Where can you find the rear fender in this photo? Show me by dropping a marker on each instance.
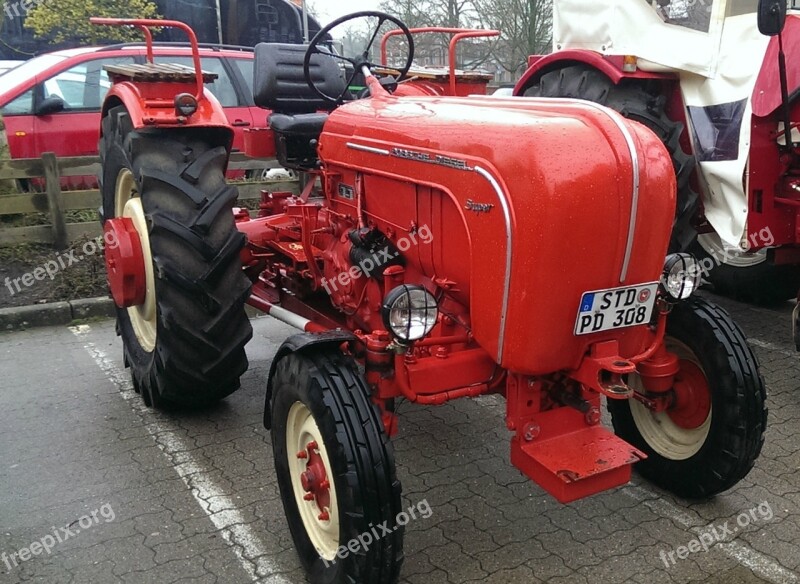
(144, 114)
(609, 65)
(302, 343)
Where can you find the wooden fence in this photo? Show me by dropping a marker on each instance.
(54, 202)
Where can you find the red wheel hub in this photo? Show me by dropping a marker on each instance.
(314, 479)
(124, 262)
(692, 397)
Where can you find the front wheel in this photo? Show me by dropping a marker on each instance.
(335, 470)
(710, 437)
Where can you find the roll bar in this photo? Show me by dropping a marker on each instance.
(458, 34)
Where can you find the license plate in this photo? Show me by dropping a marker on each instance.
(614, 308)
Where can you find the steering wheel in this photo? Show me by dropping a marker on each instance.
(360, 60)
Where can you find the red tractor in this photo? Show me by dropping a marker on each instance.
(424, 262)
(717, 92)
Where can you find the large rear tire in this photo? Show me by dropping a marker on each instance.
(185, 343)
(336, 471)
(709, 439)
(642, 103)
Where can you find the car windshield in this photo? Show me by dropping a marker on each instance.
(28, 70)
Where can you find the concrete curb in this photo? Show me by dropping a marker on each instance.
(55, 313)
(18, 318)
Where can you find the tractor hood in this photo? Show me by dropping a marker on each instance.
(530, 203)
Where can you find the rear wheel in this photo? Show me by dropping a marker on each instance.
(335, 470)
(265, 174)
(710, 437)
(184, 336)
(633, 100)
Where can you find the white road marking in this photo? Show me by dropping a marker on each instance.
(772, 347)
(242, 538)
(759, 563)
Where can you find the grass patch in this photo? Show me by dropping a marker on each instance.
(30, 219)
(83, 278)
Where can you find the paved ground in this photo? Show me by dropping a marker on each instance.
(149, 497)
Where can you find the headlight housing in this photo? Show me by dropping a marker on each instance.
(681, 276)
(185, 104)
(409, 312)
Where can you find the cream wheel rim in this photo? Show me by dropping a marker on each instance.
(301, 430)
(657, 428)
(128, 203)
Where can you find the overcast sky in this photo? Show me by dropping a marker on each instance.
(328, 10)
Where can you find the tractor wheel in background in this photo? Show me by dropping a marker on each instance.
(633, 100)
(710, 437)
(335, 468)
(185, 341)
(265, 174)
(747, 276)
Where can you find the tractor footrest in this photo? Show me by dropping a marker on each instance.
(576, 464)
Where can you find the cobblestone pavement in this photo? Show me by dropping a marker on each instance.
(193, 497)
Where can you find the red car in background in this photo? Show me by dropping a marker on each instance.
(52, 102)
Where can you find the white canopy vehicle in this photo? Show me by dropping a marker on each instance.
(707, 81)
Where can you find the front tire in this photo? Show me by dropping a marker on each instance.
(710, 438)
(325, 427)
(185, 343)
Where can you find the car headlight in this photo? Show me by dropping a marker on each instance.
(681, 277)
(409, 312)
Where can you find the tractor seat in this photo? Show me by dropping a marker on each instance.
(299, 125)
(298, 112)
(296, 139)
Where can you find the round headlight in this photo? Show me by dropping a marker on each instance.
(682, 275)
(185, 104)
(409, 312)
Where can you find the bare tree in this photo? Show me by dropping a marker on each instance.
(414, 13)
(417, 13)
(432, 49)
(456, 13)
(526, 28)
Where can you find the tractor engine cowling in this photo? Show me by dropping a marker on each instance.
(529, 204)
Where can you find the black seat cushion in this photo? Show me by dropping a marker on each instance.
(298, 125)
(279, 83)
(296, 139)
